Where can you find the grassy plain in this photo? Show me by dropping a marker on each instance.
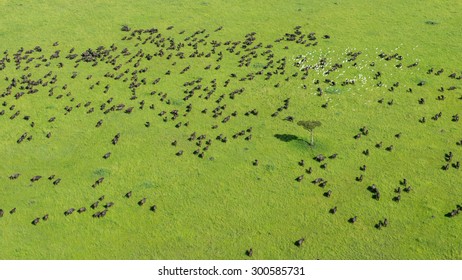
(217, 208)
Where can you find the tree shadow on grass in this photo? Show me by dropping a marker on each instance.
(286, 137)
(290, 137)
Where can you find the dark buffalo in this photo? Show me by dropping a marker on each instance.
(333, 156)
(353, 220)
(319, 158)
(14, 176)
(69, 211)
(36, 221)
(142, 201)
(299, 242)
(94, 205)
(249, 252)
(35, 178)
(328, 193)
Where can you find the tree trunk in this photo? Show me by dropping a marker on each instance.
(312, 139)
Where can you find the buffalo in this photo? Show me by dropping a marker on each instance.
(353, 220)
(249, 252)
(35, 178)
(69, 211)
(14, 176)
(299, 242)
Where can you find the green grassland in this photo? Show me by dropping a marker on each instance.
(220, 205)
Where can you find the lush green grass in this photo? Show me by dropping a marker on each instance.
(221, 205)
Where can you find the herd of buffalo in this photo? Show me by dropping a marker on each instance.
(131, 67)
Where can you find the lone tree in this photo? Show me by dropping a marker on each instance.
(309, 125)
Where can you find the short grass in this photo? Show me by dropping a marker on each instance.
(218, 206)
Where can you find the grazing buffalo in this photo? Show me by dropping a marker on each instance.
(249, 252)
(1, 213)
(107, 155)
(99, 123)
(299, 178)
(353, 220)
(81, 210)
(456, 165)
(57, 181)
(12, 211)
(103, 213)
(319, 158)
(36, 221)
(99, 181)
(153, 208)
(94, 205)
(129, 194)
(14, 176)
(35, 178)
(299, 242)
(333, 210)
(69, 211)
(45, 218)
(328, 193)
(142, 201)
(109, 204)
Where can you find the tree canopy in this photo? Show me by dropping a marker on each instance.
(309, 125)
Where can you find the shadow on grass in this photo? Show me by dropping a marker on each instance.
(290, 137)
(286, 137)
